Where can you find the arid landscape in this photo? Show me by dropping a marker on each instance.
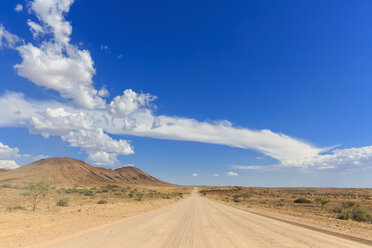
(81, 197)
(82, 202)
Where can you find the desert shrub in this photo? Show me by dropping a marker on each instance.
(322, 201)
(139, 196)
(203, 192)
(236, 198)
(7, 185)
(87, 192)
(178, 194)
(348, 204)
(346, 214)
(131, 193)
(302, 200)
(72, 191)
(63, 202)
(360, 213)
(14, 208)
(102, 201)
(356, 212)
(245, 195)
(105, 190)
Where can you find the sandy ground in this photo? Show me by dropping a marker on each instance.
(22, 228)
(200, 222)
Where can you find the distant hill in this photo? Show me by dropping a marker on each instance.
(72, 172)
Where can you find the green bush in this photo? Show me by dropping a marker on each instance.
(236, 198)
(302, 200)
(357, 213)
(105, 190)
(88, 192)
(348, 204)
(361, 214)
(63, 202)
(346, 213)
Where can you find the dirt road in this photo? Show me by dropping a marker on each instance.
(199, 222)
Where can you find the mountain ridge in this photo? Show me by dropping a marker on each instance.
(65, 171)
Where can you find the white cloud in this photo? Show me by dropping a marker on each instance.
(195, 174)
(7, 39)
(339, 159)
(38, 157)
(232, 174)
(7, 152)
(56, 64)
(51, 13)
(9, 156)
(35, 28)
(101, 158)
(129, 102)
(215, 175)
(18, 8)
(79, 131)
(8, 164)
(64, 69)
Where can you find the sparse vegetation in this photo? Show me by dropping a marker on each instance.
(39, 190)
(7, 185)
(236, 198)
(302, 200)
(322, 201)
(102, 201)
(63, 202)
(355, 212)
(245, 195)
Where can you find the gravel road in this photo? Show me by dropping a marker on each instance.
(199, 222)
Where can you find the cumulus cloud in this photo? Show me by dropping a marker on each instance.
(215, 175)
(129, 102)
(8, 164)
(195, 174)
(18, 8)
(7, 152)
(64, 69)
(232, 174)
(51, 14)
(9, 156)
(79, 131)
(101, 158)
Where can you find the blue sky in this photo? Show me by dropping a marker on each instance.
(277, 92)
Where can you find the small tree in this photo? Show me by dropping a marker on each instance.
(245, 195)
(39, 189)
(322, 201)
(236, 198)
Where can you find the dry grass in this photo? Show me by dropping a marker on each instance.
(20, 226)
(281, 201)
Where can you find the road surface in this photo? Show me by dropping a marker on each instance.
(198, 222)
